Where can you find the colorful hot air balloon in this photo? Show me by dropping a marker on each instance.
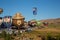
(7, 21)
(34, 11)
(1, 10)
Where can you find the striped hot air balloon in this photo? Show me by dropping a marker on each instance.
(34, 11)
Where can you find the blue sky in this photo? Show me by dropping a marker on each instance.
(46, 9)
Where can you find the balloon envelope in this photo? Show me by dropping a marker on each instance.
(7, 21)
(34, 11)
(1, 10)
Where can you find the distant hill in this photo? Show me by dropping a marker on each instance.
(56, 21)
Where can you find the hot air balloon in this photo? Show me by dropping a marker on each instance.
(32, 23)
(1, 10)
(18, 20)
(7, 21)
(38, 23)
(34, 11)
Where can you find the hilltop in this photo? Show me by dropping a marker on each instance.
(52, 21)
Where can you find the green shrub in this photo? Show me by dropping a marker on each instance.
(0, 35)
(49, 37)
(31, 38)
(3, 34)
(58, 37)
(8, 37)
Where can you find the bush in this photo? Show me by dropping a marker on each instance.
(58, 37)
(31, 38)
(3, 34)
(53, 37)
(0, 35)
(8, 37)
(50, 36)
(43, 37)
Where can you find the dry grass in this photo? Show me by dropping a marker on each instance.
(36, 34)
(49, 30)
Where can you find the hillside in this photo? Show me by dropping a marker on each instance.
(54, 21)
